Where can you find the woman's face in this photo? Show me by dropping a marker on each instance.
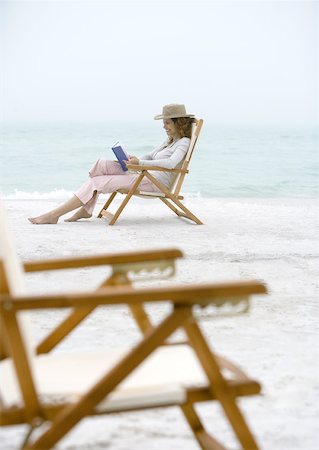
(170, 128)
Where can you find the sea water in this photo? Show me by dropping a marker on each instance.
(51, 160)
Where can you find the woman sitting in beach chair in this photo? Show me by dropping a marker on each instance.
(108, 176)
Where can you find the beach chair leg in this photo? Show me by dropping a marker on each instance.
(126, 199)
(107, 204)
(186, 212)
(175, 210)
(219, 386)
(189, 215)
(204, 439)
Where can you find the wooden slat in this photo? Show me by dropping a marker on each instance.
(140, 168)
(107, 204)
(195, 134)
(107, 215)
(98, 260)
(202, 294)
(238, 388)
(23, 371)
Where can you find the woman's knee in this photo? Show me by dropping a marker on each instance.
(98, 168)
(105, 167)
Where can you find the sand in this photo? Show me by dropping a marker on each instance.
(272, 240)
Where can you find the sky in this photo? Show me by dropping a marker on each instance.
(230, 62)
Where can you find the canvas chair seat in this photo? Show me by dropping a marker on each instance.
(63, 378)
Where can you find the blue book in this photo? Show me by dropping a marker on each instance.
(121, 155)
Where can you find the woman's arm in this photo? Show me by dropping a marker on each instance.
(151, 155)
(147, 158)
(178, 154)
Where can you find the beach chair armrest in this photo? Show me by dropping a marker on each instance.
(186, 295)
(98, 260)
(139, 168)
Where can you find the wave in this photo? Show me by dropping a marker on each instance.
(59, 194)
(242, 192)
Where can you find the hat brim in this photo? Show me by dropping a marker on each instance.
(160, 116)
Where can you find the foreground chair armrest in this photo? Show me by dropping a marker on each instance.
(181, 296)
(98, 260)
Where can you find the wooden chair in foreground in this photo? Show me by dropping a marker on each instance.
(171, 197)
(55, 391)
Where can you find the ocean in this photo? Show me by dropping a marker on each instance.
(52, 160)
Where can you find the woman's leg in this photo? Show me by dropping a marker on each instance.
(106, 177)
(90, 190)
(105, 167)
(85, 212)
(54, 215)
(101, 167)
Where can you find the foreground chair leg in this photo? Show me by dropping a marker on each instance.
(205, 440)
(221, 390)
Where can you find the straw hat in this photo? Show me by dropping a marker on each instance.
(173, 112)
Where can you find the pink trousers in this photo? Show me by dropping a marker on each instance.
(108, 176)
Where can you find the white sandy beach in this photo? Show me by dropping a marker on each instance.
(273, 240)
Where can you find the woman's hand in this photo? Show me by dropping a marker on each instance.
(132, 160)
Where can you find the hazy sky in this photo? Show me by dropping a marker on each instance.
(231, 62)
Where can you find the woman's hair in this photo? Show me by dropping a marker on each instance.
(183, 127)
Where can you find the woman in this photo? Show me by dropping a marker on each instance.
(108, 176)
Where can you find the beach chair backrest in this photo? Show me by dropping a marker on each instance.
(12, 282)
(12, 271)
(178, 182)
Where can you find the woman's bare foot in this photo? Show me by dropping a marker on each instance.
(80, 214)
(45, 218)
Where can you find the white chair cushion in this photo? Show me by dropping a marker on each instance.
(161, 379)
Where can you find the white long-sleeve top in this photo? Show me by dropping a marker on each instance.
(168, 156)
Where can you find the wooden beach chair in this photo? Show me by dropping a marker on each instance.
(54, 392)
(169, 196)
